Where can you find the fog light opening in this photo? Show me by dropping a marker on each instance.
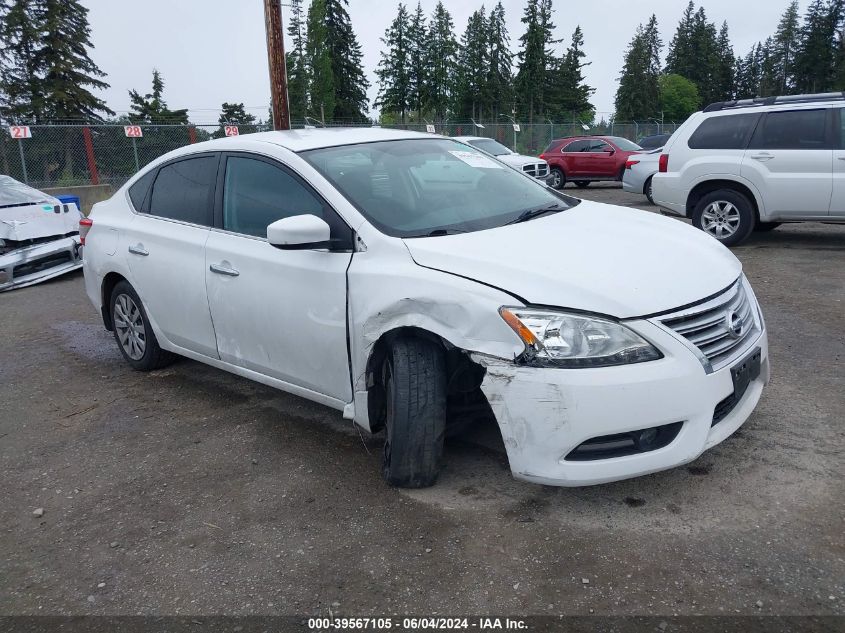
(623, 444)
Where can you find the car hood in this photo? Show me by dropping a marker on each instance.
(518, 160)
(594, 257)
(34, 221)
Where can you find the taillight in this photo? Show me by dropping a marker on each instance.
(630, 163)
(543, 156)
(85, 225)
(663, 163)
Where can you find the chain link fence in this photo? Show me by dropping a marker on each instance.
(73, 155)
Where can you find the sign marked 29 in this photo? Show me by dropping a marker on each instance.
(20, 131)
(231, 130)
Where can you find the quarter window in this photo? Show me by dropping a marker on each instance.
(256, 194)
(724, 132)
(183, 190)
(794, 129)
(138, 191)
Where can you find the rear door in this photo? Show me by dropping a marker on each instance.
(837, 200)
(281, 313)
(789, 160)
(599, 160)
(167, 251)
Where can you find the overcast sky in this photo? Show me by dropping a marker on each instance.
(210, 51)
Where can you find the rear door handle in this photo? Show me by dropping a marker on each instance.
(220, 269)
(841, 157)
(139, 250)
(762, 156)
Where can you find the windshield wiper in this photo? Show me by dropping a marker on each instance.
(437, 233)
(530, 214)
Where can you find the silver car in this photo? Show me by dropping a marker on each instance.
(638, 172)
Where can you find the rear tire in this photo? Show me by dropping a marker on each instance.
(582, 184)
(414, 379)
(557, 179)
(647, 190)
(726, 215)
(764, 227)
(132, 331)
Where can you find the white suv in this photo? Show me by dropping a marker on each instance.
(741, 166)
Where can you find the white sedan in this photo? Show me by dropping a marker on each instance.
(409, 281)
(639, 170)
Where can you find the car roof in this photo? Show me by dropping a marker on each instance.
(312, 138)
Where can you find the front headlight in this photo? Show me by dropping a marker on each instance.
(573, 340)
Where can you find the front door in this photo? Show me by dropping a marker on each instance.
(166, 252)
(789, 161)
(281, 313)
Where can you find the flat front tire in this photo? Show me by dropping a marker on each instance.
(132, 331)
(726, 215)
(414, 380)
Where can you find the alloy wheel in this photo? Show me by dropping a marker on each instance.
(129, 326)
(720, 219)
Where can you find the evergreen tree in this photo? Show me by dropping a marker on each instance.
(152, 108)
(233, 114)
(441, 60)
(680, 59)
(723, 72)
(295, 61)
(68, 69)
(747, 74)
(338, 83)
(394, 68)
(769, 82)
(693, 53)
(786, 42)
(472, 68)
(571, 95)
(815, 60)
(500, 62)
(21, 86)
(418, 57)
(638, 96)
(536, 58)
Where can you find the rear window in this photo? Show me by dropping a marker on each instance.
(793, 129)
(624, 144)
(183, 190)
(138, 191)
(724, 132)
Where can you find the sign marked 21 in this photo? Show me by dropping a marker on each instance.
(20, 131)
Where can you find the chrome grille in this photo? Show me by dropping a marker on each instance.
(537, 170)
(720, 328)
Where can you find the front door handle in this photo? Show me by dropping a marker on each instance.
(139, 249)
(222, 269)
(762, 156)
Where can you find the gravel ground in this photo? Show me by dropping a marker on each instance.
(191, 491)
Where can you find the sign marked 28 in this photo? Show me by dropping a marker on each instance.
(133, 131)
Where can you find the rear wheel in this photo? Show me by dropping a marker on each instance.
(726, 215)
(582, 184)
(766, 226)
(414, 380)
(647, 191)
(557, 179)
(132, 331)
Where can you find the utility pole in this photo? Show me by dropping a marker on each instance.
(276, 59)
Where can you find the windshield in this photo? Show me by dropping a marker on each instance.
(416, 187)
(490, 146)
(624, 144)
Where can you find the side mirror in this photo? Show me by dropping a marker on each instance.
(300, 232)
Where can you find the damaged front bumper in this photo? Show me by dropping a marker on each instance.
(550, 418)
(40, 262)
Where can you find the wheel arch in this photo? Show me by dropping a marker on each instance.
(708, 186)
(109, 282)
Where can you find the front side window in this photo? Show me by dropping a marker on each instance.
(256, 194)
(729, 131)
(183, 190)
(416, 187)
(793, 129)
(598, 146)
(490, 146)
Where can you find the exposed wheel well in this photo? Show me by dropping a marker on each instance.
(645, 184)
(702, 189)
(464, 376)
(109, 282)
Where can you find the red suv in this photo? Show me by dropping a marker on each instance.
(584, 159)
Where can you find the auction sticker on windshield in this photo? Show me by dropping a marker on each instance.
(475, 160)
